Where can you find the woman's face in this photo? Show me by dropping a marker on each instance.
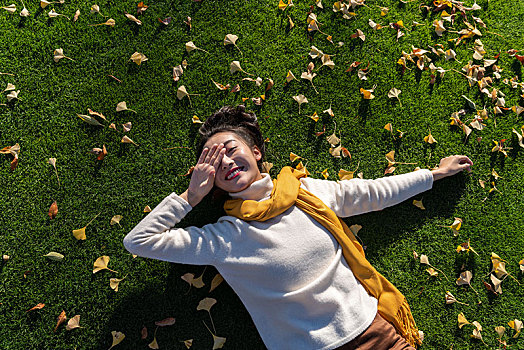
(238, 169)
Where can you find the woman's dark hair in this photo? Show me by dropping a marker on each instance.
(237, 120)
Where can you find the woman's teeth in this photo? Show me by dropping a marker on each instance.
(234, 173)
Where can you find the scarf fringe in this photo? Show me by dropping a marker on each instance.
(407, 327)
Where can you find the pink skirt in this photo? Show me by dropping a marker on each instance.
(380, 335)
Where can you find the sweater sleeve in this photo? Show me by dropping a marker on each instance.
(155, 236)
(358, 196)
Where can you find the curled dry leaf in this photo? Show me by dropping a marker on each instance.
(165, 322)
(430, 139)
(127, 126)
(216, 280)
(11, 8)
(517, 326)
(61, 319)
(89, 120)
(36, 307)
(74, 322)
(126, 139)
(14, 151)
(138, 58)
(53, 210)
(177, 72)
(290, 76)
(77, 14)
(110, 23)
(462, 321)
(133, 18)
(54, 256)
(147, 209)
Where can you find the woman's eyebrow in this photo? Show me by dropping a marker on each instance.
(228, 141)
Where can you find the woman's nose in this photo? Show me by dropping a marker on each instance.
(226, 161)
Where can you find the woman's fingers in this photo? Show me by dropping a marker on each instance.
(203, 156)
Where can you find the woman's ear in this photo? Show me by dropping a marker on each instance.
(257, 153)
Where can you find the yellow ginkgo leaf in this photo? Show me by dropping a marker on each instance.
(430, 139)
(216, 282)
(114, 283)
(462, 321)
(188, 343)
(117, 338)
(345, 174)
(293, 157)
(231, 39)
(116, 220)
(196, 120)
(315, 117)
(516, 325)
(290, 76)
(325, 173)
(101, 264)
(300, 100)
(110, 22)
(138, 58)
(418, 204)
(218, 342)
(368, 94)
(80, 234)
(206, 304)
(190, 46)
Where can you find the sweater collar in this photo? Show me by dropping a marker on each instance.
(258, 190)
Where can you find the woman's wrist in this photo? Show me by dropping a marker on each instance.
(437, 174)
(190, 198)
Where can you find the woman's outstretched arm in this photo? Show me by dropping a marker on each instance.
(358, 196)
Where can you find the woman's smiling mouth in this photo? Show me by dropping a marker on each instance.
(234, 173)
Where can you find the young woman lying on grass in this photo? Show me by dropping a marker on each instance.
(282, 247)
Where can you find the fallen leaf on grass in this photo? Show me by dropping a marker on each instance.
(61, 319)
(53, 210)
(133, 18)
(11, 8)
(218, 342)
(190, 46)
(450, 299)
(110, 23)
(115, 282)
(80, 234)
(122, 106)
(394, 93)
(418, 204)
(54, 256)
(165, 322)
(217, 279)
(138, 58)
(101, 264)
(14, 151)
(117, 338)
(36, 307)
(116, 220)
(73, 323)
(89, 120)
(53, 14)
(235, 67)
(231, 39)
(300, 100)
(517, 326)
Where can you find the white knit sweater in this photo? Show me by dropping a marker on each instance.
(289, 270)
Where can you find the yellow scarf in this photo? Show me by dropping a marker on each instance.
(392, 305)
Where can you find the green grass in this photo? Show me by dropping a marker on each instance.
(45, 125)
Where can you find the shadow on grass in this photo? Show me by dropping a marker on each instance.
(383, 228)
(173, 298)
